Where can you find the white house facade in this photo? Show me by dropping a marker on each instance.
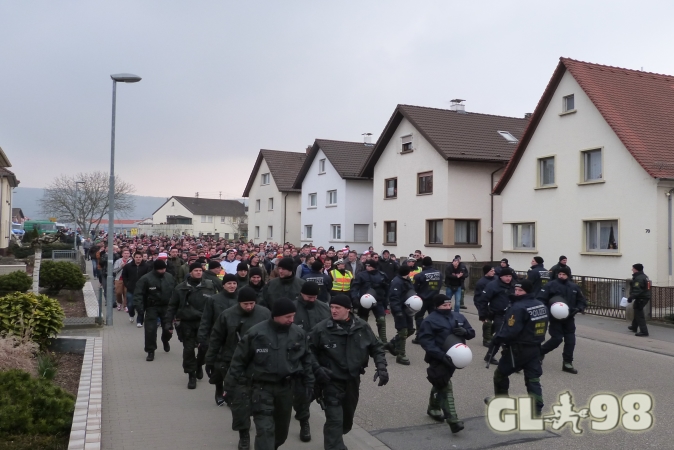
(431, 192)
(336, 202)
(589, 179)
(200, 216)
(8, 182)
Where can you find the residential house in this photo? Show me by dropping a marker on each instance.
(8, 182)
(200, 216)
(433, 171)
(274, 204)
(17, 215)
(336, 199)
(593, 175)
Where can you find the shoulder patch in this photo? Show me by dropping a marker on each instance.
(511, 321)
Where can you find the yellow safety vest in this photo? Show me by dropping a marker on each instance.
(341, 283)
(414, 272)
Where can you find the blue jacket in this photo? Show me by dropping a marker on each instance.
(436, 327)
(526, 322)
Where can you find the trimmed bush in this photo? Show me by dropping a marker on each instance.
(26, 251)
(61, 275)
(30, 316)
(33, 406)
(16, 281)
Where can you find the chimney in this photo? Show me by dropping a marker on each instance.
(457, 106)
(367, 138)
(309, 147)
(527, 115)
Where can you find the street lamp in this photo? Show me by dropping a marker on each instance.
(77, 185)
(121, 78)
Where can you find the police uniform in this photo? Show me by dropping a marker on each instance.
(427, 285)
(538, 275)
(495, 299)
(640, 294)
(433, 333)
(376, 283)
(401, 289)
(521, 336)
(341, 282)
(151, 297)
(482, 312)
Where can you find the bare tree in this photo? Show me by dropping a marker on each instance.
(240, 225)
(92, 199)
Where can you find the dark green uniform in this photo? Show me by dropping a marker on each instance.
(281, 287)
(269, 356)
(640, 293)
(259, 290)
(215, 305)
(344, 348)
(241, 281)
(173, 265)
(183, 271)
(227, 331)
(217, 282)
(307, 316)
(187, 305)
(151, 297)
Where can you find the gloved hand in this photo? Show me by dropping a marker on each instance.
(573, 312)
(323, 375)
(448, 362)
(459, 331)
(382, 374)
(209, 370)
(168, 327)
(630, 299)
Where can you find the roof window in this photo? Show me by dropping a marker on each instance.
(508, 137)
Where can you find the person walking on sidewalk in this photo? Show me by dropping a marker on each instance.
(640, 294)
(131, 273)
(187, 305)
(120, 290)
(151, 297)
(270, 355)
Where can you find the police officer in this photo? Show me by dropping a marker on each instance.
(374, 282)
(271, 354)
(538, 274)
(434, 330)
(411, 262)
(229, 328)
(187, 305)
(495, 299)
(286, 285)
(215, 305)
(341, 279)
(565, 329)
(214, 269)
(504, 264)
(151, 297)
(342, 346)
(640, 294)
(521, 337)
(400, 290)
(427, 285)
(482, 312)
(322, 280)
(309, 313)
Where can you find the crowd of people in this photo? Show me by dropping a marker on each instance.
(275, 327)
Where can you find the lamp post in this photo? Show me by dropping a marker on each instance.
(77, 185)
(122, 78)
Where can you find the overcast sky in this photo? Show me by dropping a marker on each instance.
(223, 79)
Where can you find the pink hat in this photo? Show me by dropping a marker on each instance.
(162, 255)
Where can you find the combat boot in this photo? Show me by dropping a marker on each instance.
(200, 372)
(416, 338)
(434, 409)
(400, 348)
(192, 383)
(381, 329)
(391, 346)
(492, 360)
(449, 408)
(219, 396)
(244, 440)
(568, 367)
(150, 356)
(305, 431)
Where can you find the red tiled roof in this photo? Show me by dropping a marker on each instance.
(348, 158)
(284, 167)
(638, 106)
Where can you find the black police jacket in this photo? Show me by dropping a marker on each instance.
(397, 293)
(526, 322)
(479, 290)
(153, 289)
(310, 313)
(569, 290)
(215, 305)
(323, 281)
(496, 297)
(228, 330)
(188, 301)
(538, 275)
(554, 270)
(427, 283)
(366, 280)
(437, 327)
(640, 287)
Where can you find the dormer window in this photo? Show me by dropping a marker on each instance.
(406, 142)
(569, 103)
(508, 137)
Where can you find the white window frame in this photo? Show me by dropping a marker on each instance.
(313, 196)
(258, 205)
(270, 232)
(308, 231)
(257, 232)
(321, 166)
(206, 219)
(265, 179)
(270, 204)
(517, 231)
(540, 174)
(565, 103)
(330, 198)
(584, 157)
(587, 232)
(336, 232)
(407, 143)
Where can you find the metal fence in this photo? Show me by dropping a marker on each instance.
(662, 303)
(64, 255)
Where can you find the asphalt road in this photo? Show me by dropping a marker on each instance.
(607, 356)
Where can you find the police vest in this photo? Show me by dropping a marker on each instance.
(414, 272)
(341, 283)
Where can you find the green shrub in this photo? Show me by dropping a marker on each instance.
(16, 281)
(33, 406)
(46, 366)
(30, 316)
(26, 250)
(61, 275)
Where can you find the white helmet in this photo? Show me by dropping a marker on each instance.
(367, 301)
(461, 355)
(559, 310)
(413, 305)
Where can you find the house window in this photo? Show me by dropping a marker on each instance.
(391, 188)
(592, 165)
(257, 232)
(508, 137)
(465, 231)
(173, 203)
(313, 200)
(264, 179)
(321, 166)
(226, 235)
(361, 233)
(257, 205)
(308, 231)
(332, 197)
(425, 183)
(270, 204)
(601, 236)
(524, 236)
(390, 232)
(335, 232)
(435, 231)
(406, 142)
(206, 219)
(569, 103)
(270, 232)
(546, 171)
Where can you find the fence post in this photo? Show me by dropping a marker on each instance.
(100, 306)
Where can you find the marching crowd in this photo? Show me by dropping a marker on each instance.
(275, 327)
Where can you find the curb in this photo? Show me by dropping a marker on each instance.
(86, 430)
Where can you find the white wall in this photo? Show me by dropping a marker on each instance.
(5, 212)
(358, 211)
(293, 214)
(265, 218)
(628, 194)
